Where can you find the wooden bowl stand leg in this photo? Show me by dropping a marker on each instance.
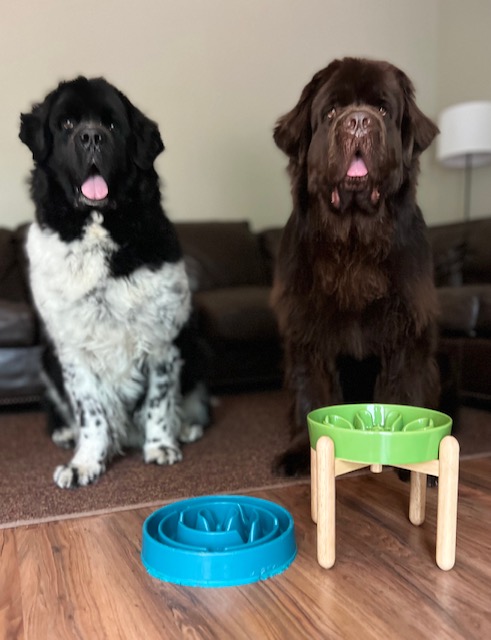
(325, 468)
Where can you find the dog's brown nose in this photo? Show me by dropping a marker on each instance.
(91, 138)
(357, 123)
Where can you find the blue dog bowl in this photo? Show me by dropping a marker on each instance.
(218, 541)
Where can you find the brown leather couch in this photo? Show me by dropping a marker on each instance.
(20, 351)
(462, 258)
(230, 269)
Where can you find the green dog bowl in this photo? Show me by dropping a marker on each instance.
(380, 433)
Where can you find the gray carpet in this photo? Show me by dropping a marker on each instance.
(234, 455)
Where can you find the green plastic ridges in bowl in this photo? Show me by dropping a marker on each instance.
(380, 433)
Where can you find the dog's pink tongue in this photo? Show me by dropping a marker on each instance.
(357, 169)
(95, 188)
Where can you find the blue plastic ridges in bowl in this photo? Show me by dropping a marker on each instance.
(218, 541)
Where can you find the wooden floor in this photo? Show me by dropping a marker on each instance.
(83, 578)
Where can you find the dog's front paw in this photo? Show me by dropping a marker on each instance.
(190, 432)
(162, 454)
(77, 475)
(293, 462)
(65, 437)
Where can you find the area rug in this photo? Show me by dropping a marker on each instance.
(235, 455)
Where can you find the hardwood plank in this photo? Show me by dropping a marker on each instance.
(84, 578)
(387, 580)
(11, 623)
(75, 583)
(475, 472)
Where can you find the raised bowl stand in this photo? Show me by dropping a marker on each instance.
(325, 468)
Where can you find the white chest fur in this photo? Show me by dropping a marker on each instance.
(108, 323)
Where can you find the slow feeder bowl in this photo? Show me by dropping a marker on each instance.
(218, 541)
(347, 437)
(380, 433)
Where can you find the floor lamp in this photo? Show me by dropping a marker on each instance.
(465, 141)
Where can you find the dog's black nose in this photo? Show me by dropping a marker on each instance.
(357, 123)
(91, 138)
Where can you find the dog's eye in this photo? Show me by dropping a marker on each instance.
(383, 110)
(112, 126)
(328, 114)
(67, 124)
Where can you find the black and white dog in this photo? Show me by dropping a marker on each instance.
(109, 282)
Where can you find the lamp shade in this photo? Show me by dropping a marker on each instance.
(465, 135)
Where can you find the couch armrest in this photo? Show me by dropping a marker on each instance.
(459, 310)
(465, 310)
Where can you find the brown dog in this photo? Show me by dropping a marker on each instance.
(353, 292)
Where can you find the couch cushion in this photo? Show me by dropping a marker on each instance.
(17, 324)
(221, 254)
(483, 293)
(448, 265)
(238, 313)
(461, 252)
(447, 243)
(459, 309)
(20, 371)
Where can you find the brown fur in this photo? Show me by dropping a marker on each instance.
(353, 289)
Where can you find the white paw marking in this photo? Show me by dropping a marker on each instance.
(77, 475)
(162, 455)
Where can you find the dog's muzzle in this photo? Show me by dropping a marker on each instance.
(358, 132)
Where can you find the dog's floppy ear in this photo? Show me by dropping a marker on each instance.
(146, 136)
(293, 131)
(148, 142)
(418, 131)
(34, 131)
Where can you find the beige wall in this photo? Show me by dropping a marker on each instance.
(216, 74)
(464, 73)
